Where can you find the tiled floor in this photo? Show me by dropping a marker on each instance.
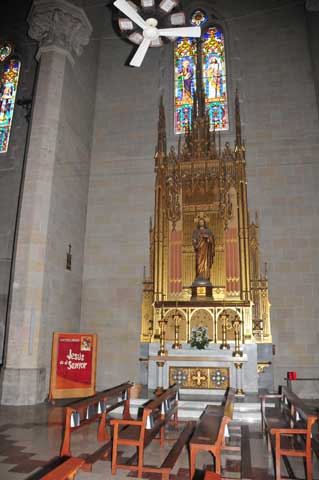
(30, 437)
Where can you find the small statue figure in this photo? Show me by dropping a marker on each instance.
(204, 246)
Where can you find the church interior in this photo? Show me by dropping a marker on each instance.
(159, 239)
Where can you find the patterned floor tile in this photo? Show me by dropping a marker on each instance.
(30, 439)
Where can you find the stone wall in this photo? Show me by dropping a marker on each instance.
(62, 288)
(281, 125)
(312, 17)
(11, 162)
(46, 296)
(269, 60)
(120, 203)
(271, 57)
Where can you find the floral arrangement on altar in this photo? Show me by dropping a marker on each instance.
(199, 338)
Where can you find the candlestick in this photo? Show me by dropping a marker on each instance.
(224, 319)
(177, 345)
(162, 351)
(236, 326)
(150, 330)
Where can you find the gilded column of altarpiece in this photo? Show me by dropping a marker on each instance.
(203, 180)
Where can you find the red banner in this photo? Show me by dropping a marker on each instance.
(74, 360)
(73, 365)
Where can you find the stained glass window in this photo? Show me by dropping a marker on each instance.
(199, 17)
(9, 85)
(5, 50)
(214, 80)
(185, 82)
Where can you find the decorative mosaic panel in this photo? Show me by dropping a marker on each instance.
(200, 377)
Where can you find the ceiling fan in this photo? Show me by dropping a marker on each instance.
(150, 33)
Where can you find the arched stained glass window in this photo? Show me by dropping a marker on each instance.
(214, 80)
(214, 77)
(185, 82)
(5, 50)
(9, 84)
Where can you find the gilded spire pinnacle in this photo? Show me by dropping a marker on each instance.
(199, 100)
(179, 147)
(238, 122)
(161, 149)
(213, 143)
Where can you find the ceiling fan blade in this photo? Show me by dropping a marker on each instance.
(128, 10)
(180, 32)
(140, 53)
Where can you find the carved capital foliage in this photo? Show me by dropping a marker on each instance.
(60, 26)
(312, 5)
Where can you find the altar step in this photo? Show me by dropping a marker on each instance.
(191, 407)
(250, 412)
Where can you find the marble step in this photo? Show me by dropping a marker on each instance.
(192, 409)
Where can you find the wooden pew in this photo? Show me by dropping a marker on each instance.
(140, 433)
(211, 475)
(209, 434)
(66, 471)
(175, 452)
(173, 455)
(288, 428)
(92, 409)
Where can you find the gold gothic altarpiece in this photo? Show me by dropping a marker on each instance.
(203, 180)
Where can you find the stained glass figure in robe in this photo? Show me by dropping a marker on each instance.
(185, 82)
(214, 78)
(9, 85)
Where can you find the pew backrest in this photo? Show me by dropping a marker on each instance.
(97, 407)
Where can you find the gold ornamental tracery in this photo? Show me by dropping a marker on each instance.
(203, 179)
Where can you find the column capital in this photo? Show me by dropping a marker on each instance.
(312, 5)
(59, 26)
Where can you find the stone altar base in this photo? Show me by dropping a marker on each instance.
(197, 372)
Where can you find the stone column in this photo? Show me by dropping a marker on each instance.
(61, 30)
(312, 5)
